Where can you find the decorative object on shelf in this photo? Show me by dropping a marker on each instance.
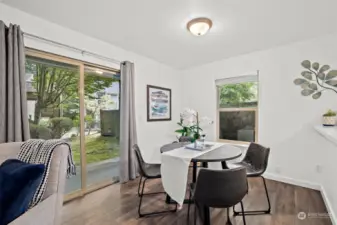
(329, 118)
(316, 79)
(190, 125)
(159, 103)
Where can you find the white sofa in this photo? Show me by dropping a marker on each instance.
(48, 212)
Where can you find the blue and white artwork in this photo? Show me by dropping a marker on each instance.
(159, 103)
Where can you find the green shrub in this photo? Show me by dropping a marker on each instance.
(39, 131)
(44, 132)
(33, 130)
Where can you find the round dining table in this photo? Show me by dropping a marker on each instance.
(222, 154)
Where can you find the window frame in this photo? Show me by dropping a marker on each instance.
(236, 109)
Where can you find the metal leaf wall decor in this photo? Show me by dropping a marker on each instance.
(316, 79)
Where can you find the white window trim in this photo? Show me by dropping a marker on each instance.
(241, 79)
(237, 80)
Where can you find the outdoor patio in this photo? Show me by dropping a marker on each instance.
(96, 172)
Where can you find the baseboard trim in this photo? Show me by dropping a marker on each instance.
(328, 206)
(292, 181)
(306, 184)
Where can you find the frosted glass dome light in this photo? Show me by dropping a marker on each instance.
(199, 26)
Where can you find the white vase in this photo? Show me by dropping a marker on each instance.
(329, 120)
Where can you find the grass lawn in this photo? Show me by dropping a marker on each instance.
(97, 147)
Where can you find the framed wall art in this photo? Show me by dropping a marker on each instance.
(159, 103)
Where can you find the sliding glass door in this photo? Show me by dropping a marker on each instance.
(101, 102)
(79, 103)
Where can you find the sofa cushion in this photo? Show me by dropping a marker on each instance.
(18, 183)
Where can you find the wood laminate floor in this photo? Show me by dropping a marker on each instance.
(118, 204)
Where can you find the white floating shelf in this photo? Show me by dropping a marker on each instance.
(329, 133)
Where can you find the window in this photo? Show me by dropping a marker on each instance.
(79, 103)
(237, 109)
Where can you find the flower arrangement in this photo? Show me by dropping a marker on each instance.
(191, 123)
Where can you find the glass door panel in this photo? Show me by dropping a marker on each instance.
(102, 118)
(54, 106)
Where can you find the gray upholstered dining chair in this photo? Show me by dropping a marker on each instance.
(255, 162)
(147, 171)
(218, 189)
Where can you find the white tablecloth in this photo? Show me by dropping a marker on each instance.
(174, 170)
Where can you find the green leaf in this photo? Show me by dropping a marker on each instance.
(180, 124)
(313, 86)
(307, 75)
(321, 75)
(317, 95)
(307, 92)
(300, 81)
(332, 82)
(180, 131)
(324, 68)
(332, 74)
(306, 64)
(315, 66)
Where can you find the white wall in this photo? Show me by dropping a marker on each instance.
(286, 118)
(150, 135)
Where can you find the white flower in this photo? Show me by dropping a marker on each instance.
(188, 122)
(188, 117)
(187, 113)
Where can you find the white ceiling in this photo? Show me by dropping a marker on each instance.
(157, 28)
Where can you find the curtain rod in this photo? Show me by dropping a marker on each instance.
(83, 52)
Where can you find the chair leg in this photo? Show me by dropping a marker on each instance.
(141, 199)
(188, 210)
(140, 181)
(228, 219)
(195, 214)
(243, 213)
(267, 194)
(257, 212)
(153, 213)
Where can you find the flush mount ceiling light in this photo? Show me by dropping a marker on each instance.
(199, 26)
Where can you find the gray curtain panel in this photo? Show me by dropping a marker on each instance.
(13, 101)
(128, 134)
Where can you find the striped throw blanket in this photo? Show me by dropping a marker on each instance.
(37, 151)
